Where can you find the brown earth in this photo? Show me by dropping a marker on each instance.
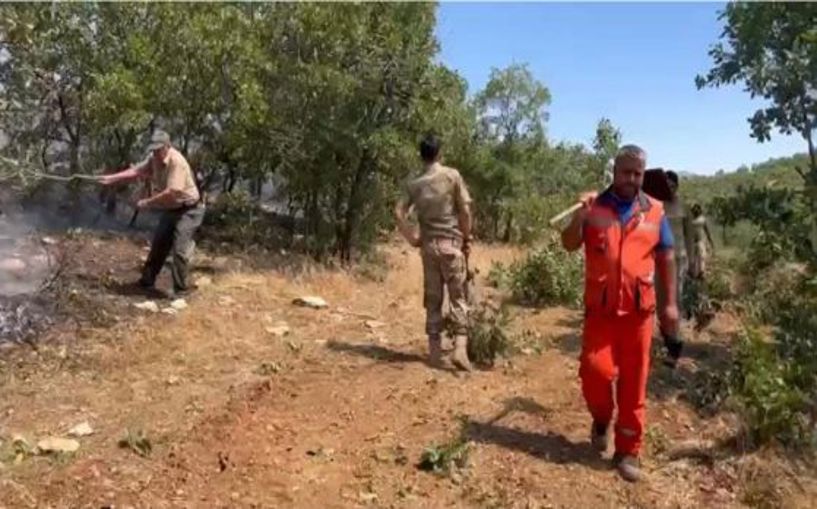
(338, 412)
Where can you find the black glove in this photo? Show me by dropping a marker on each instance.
(674, 346)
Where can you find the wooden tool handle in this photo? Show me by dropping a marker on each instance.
(563, 214)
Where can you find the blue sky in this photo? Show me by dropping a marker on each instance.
(634, 63)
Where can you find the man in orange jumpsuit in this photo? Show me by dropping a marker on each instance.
(626, 237)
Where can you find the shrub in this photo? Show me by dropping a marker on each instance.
(487, 335)
(444, 458)
(548, 276)
(773, 291)
(498, 275)
(235, 219)
(770, 402)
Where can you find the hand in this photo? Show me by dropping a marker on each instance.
(412, 237)
(669, 319)
(587, 198)
(106, 180)
(466, 247)
(143, 204)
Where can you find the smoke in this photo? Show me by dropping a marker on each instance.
(30, 230)
(24, 266)
(24, 262)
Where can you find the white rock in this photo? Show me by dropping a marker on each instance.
(55, 444)
(374, 324)
(18, 439)
(147, 305)
(179, 304)
(311, 302)
(279, 330)
(170, 311)
(49, 241)
(82, 429)
(204, 281)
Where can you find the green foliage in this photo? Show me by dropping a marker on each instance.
(512, 105)
(777, 172)
(720, 281)
(237, 220)
(781, 220)
(330, 99)
(773, 407)
(498, 275)
(442, 459)
(770, 47)
(325, 101)
(548, 276)
(709, 391)
(698, 303)
(138, 442)
(796, 336)
(773, 379)
(487, 335)
(771, 291)
(607, 141)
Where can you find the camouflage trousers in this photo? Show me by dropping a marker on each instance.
(444, 268)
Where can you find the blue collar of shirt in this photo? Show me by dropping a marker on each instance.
(624, 208)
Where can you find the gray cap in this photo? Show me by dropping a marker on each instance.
(158, 139)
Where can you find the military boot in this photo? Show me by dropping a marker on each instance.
(460, 355)
(434, 351)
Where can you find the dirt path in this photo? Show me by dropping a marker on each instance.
(335, 414)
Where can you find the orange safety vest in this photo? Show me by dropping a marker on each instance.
(620, 258)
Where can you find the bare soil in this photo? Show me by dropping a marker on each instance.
(338, 412)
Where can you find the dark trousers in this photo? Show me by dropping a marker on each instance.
(173, 235)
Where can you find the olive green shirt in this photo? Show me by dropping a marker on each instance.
(438, 196)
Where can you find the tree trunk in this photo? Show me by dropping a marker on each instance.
(808, 135)
(230, 181)
(508, 227)
(257, 185)
(353, 207)
(811, 185)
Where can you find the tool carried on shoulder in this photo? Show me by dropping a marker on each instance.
(655, 184)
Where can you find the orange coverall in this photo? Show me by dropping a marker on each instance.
(619, 304)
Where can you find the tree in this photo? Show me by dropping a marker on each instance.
(512, 105)
(46, 76)
(607, 140)
(724, 213)
(512, 115)
(605, 145)
(772, 49)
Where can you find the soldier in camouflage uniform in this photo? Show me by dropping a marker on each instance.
(441, 200)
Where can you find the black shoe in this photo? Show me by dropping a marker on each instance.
(185, 292)
(146, 285)
(150, 290)
(598, 436)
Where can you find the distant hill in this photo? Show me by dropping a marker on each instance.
(702, 189)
